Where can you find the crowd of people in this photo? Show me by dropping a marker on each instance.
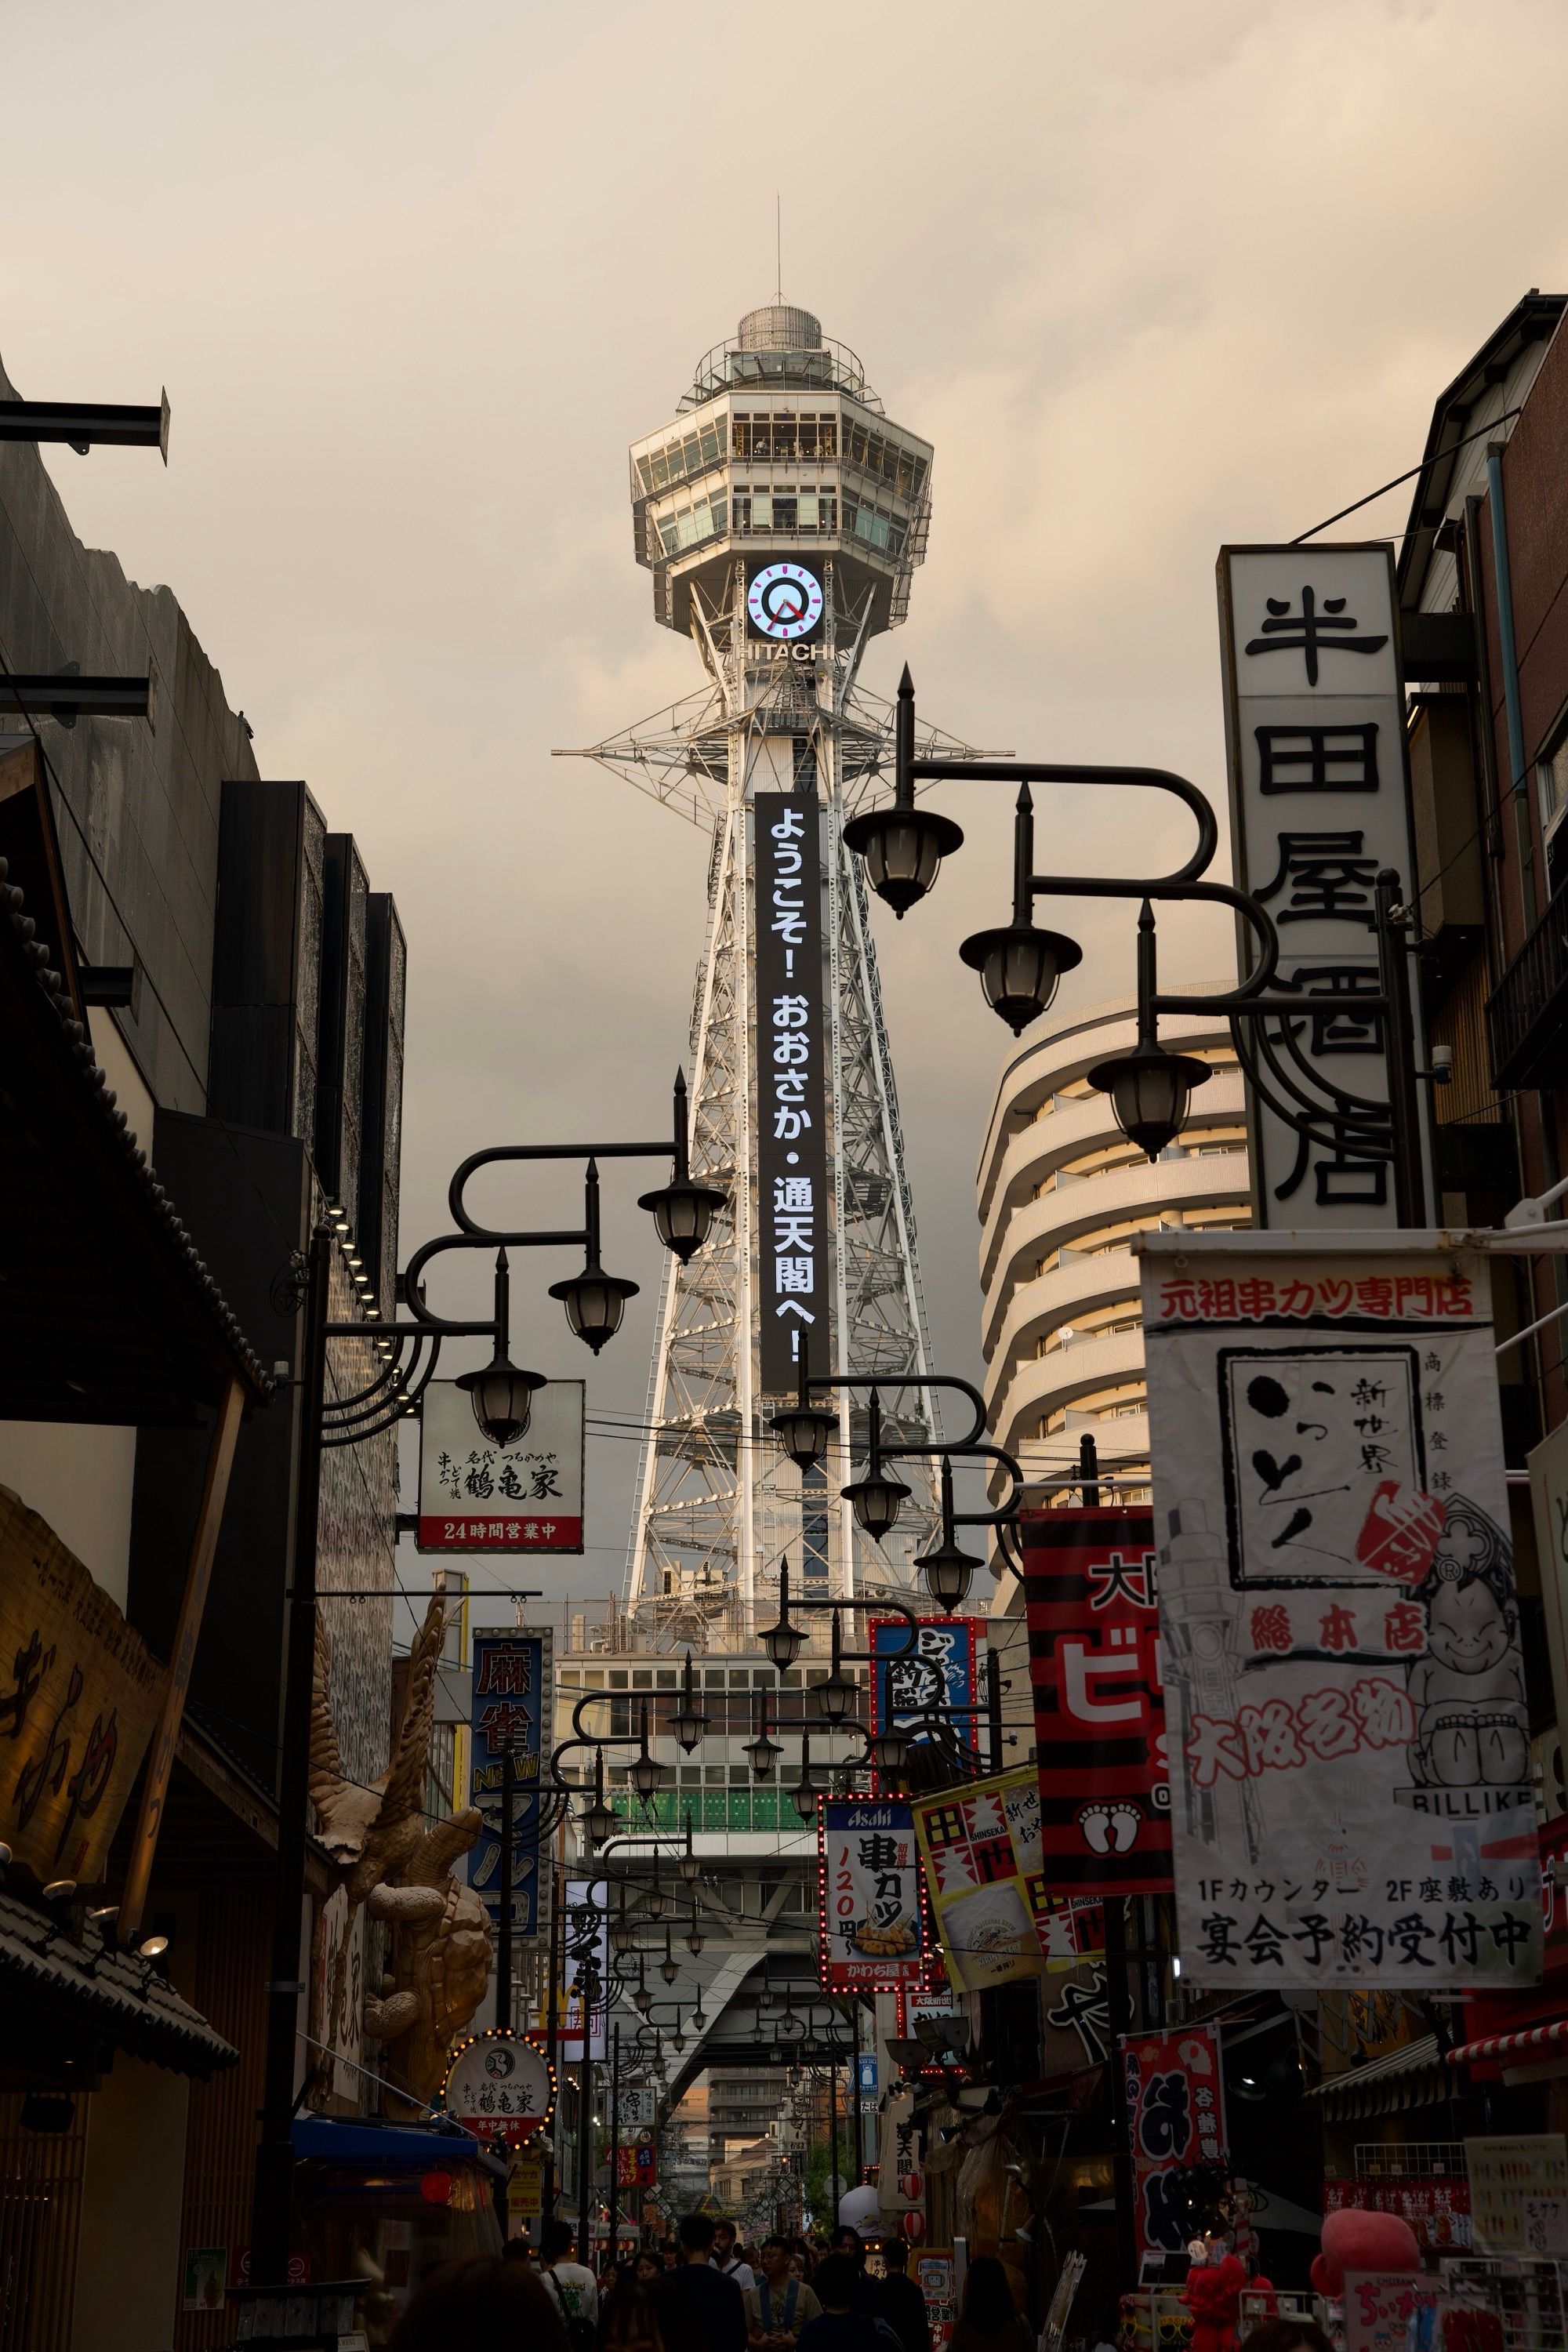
(702, 2291)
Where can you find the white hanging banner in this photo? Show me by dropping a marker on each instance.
(1344, 1692)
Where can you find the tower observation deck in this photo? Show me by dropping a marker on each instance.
(781, 516)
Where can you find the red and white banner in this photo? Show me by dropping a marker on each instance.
(874, 1933)
(1099, 1712)
(1175, 2118)
(526, 1497)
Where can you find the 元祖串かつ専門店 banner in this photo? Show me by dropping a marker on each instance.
(1349, 1742)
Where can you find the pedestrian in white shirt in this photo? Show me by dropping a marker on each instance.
(725, 2259)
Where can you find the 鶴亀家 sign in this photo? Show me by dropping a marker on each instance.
(525, 1497)
(1349, 1737)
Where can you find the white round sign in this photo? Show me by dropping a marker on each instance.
(498, 2082)
(784, 601)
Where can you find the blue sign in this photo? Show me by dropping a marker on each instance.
(940, 1671)
(865, 2074)
(509, 1709)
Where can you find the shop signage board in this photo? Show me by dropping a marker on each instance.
(900, 2170)
(639, 2106)
(1320, 802)
(510, 1705)
(1518, 2194)
(337, 1991)
(912, 2001)
(1349, 1743)
(791, 1034)
(500, 2085)
(1438, 2208)
(996, 1918)
(637, 2166)
(873, 1924)
(1099, 1711)
(525, 2188)
(526, 1497)
(941, 1670)
(1378, 2305)
(1076, 2017)
(1175, 2118)
(79, 1696)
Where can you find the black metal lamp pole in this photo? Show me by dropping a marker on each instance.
(614, 2193)
(588, 1980)
(503, 1934)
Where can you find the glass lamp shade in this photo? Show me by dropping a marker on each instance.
(903, 849)
(689, 1866)
(595, 1302)
(621, 1936)
(835, 1696)
(645, 1778)
(677, 2040)
(1019, 966)
(1150, 1091)
(947, 1572)
(803, 1797)
(683, 1214)
(764, 1754)
(599, 1823)
(689, 1725)
(502, 1400)
(653, 1902)
(889, 1750)
(669, 1969)
(642, 2000)
(805, 1432)
(695, 1940)
(782, 1641)
(875, 1501)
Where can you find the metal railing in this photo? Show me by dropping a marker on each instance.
(1527, 1035)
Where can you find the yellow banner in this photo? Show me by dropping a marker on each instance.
(980, 1844)
(79, 1693)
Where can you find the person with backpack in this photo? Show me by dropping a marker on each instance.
(728, 2259)
(779, 2304)
(571, 2286)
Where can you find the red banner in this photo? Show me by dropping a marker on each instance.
(1099, 1713)
(637, 2166)
(1175, 2118)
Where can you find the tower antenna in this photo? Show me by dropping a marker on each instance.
(778, 244)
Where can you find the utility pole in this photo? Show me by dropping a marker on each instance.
(615, 2198)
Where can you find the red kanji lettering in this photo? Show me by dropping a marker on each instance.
(1384, 1710)
(1178, 1301)
(1213, 1749)
(1375, 1296)
(1271, 1627)
(1216, 1300)
(1269, 1735)
(1405, 1627)
(1336, 1630)
(1327, 1726)
(1255, 1299)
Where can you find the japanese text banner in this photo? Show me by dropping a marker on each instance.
(873, 1929)
(1099, 1713)
(509, 1708)
(981, 1847)
(791, 1038)
(1175, 2119)
(1349, 1756)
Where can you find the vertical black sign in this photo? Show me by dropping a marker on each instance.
(792, 1143)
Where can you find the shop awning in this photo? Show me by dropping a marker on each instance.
(1411, 2076)
(61, 1996)
(331, 2139)
(106, 1312)
(1511, 2047)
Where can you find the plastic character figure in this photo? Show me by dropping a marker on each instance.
(1213, 2295)
(1472, 1728)
(1355, 2241)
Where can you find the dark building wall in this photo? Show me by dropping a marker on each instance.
(136, 802)
(266, 962)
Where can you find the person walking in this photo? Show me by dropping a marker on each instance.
(728, 2259)
(571, 2286)
(902, 2305)
(849, 2246)
(844, 2323)
(779, 2304)
(988, 2319)
(700, 2310)
(482, 2301)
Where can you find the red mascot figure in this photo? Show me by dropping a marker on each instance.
(1213, 2297)
(1354, 2240)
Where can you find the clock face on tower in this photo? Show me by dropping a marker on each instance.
(784, 601)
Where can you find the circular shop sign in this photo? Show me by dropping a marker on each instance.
(498, 2085)
(784, 601)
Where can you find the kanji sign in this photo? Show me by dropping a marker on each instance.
(509, 1708)
(873, 1929)
(637, 2166)
(791, 1040)
(1099, 1712)
(940, 1671)
(525, 1497)
(500, 2087)
(1175, 2118)
(1320, 805)
(1349, 1752)
(80, 1695)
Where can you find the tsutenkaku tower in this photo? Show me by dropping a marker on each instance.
(782, 517)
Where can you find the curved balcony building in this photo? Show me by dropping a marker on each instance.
(1061, 1194)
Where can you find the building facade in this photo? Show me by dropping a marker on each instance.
(1061, 1195)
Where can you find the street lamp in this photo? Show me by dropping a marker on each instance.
(782, 1641)
(683, 1212)
(763, 1750)
(887, 1751)
(875, 1498)
(501, 1396)
(903, 846)
(947, 1569)
(836, 1694)
(695, 1938)
(688, 1723)
(688, 1862)
(1150, 1089)
(804, 1430)
(670, 1966)
(594, 1301)
(644, 1771)
(598, 1820)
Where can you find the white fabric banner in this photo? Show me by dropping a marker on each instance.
(1344, 1691)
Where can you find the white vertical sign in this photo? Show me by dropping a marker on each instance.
(1319, 804)
(1344, 1690)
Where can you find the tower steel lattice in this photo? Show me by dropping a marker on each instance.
(782, 517)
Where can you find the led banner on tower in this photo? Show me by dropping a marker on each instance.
(792, 1145)
(1350, 1740)
(1099, 1713)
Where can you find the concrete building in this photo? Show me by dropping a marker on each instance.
(1061, 1193)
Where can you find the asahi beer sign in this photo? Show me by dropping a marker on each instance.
(525, 1497)
(1348, 1734)
(1320, 805)
(792, 1150)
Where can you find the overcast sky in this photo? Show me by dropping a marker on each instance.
(1152, 276)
